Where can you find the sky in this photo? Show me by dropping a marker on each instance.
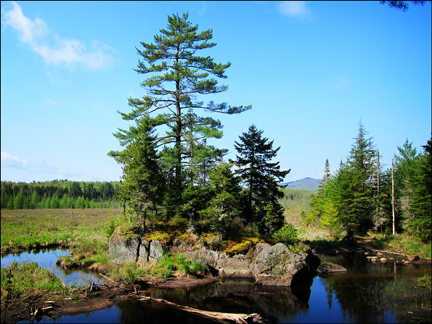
(312, 71)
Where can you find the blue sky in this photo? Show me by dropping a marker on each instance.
(311, 70)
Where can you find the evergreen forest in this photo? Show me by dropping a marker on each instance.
(59, 194)
(360, 196)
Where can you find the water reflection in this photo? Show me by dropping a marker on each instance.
(368, 292)
(46, 258)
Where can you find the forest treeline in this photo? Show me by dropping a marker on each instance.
(359, 196)
(59, 194)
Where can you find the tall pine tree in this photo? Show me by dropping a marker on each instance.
(179, 76)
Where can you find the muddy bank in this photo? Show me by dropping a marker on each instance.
(90, 301)
(53, 305)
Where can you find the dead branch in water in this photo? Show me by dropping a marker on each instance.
(216, 316)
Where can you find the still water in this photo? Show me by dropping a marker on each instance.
(46, 258)
(367, 293)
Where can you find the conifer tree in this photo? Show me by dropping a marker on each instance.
(317, 202)
(19, 200)
(4, 198)
(406, 168)
(421, 206)
(55, 202)
(262, 178)
(48, 203)
(329, 218)
(34, 200)
(226, 194)
(10, 204)
(354, 185)
(179, 75)
(143, 185)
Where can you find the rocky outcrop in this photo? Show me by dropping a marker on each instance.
(124, 248)
(329, 267)
(265, 264)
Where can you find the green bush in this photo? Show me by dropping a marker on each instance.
(287, 234)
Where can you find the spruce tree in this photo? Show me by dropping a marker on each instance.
(142, 184)
(329, 218)
(262, 178)
(354, 185)
(34, 200)
(421, 206)
(317, 202)
(19, 200)
(48, 202)
(226, 193)
(406, 168)
(10, 204)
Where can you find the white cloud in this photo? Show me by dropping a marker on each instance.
(67, 51)
(50, 103)
(340, 82)
(12, 161)
(295, 9)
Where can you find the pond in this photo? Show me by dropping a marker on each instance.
(368, 292)
(46, 258)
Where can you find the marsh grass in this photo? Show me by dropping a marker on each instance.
(30, 228)
(402, 243)
(19, 280)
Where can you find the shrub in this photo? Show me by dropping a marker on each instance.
(287, 234)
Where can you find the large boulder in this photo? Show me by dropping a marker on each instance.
(329, 267)
(265, 264)
(123, 248)
(156, 251)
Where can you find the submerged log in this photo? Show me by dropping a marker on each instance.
(216, 316)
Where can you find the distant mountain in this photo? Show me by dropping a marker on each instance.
(303, 184)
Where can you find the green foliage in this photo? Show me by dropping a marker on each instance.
(421, 206)
(352, 190)
(261, 177)
(226, 197)
(10, 204)
(424, 281)
(329, 217)
(287, 234)
(402, 5)
(19, 200)
(19, 280)
(178, 77)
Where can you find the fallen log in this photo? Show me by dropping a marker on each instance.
(216, 316)
(403, 254)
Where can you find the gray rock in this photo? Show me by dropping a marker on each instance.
(144, 251)
(156, 251)
(123, 248)
(329, 267)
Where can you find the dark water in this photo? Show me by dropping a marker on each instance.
(367, 293)
(46, 258)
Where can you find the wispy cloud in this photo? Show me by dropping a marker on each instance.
(341, 83)
(50, 103)
(12, 161)
(65, 51)
(296, 9)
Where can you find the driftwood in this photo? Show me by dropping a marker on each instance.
(390, 252)
(216, 316)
